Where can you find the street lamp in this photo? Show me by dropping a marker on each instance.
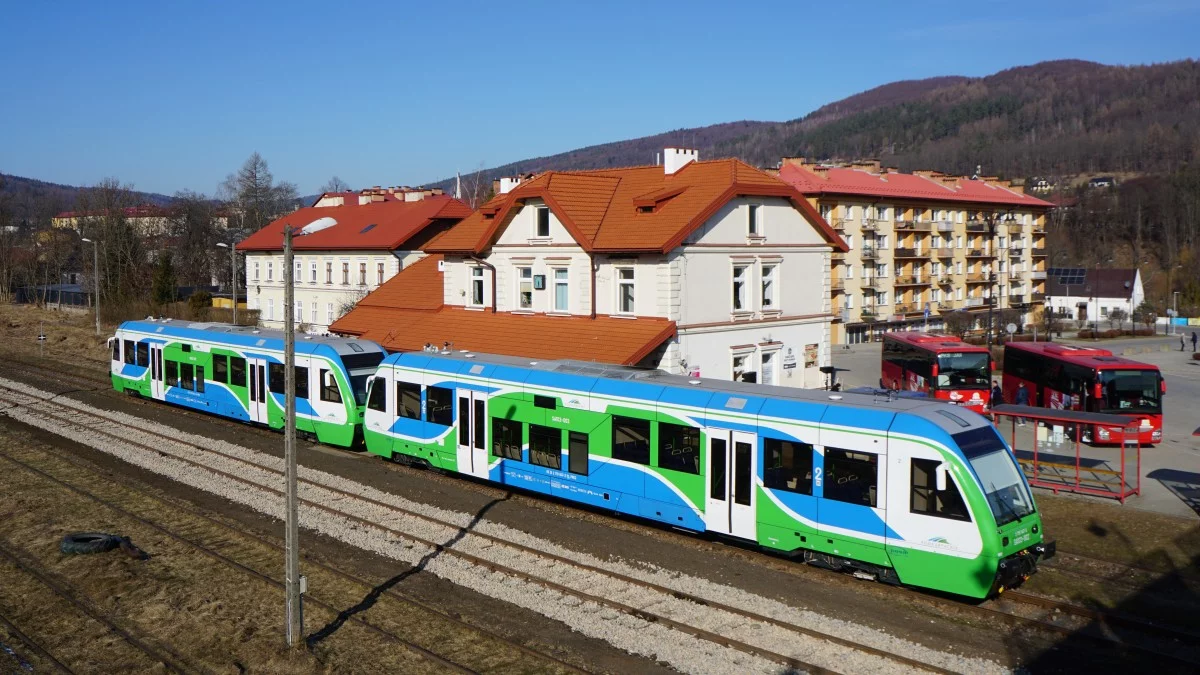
(294, 615)
(232, 275)
(1174, 310)
(95, 279)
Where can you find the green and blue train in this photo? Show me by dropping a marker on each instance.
(905, 491)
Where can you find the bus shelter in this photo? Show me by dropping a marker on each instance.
(1047, 444)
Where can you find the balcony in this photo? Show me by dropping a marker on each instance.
(1037, 297)
(944, 253)
(1037, 274)
(838, 284)
(977, 278)
(838, 255)
(908, 253)
(910, 225)
(977, 227)
(945, 280)
(974, 302)
(945, 226)
(911, 280)
(1016, 274)
(1016, 299)
(1039, 252)
(869, 282)
(1016, 251)
(870, 225)
(869, 253)
(978, 253)
(908, 308)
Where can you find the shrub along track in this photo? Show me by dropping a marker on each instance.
(731, 620)
(437, 638)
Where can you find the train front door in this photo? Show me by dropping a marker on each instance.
(156, 371)
(472, 433)
(257, 373)
(729, 507)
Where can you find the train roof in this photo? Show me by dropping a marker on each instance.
(247, 335)
(951, 419)
(1091, 357)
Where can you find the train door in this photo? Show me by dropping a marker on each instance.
(156, 371)
(472, 433)
(380, 412)
(729, 507)
(257, 372)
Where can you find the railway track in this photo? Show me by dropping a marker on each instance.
(483, 641)
(33, 646)
(1002, 611)
(740, 629)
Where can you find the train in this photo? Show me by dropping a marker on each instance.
(904, 491)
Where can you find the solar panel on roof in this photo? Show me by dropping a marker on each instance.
(1068, 276)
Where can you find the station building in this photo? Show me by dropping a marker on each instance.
(710, 269)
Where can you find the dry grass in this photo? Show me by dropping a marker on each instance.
(70, 335)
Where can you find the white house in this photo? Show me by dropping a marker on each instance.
(377, 234)
(1091, 294)
(711, 269)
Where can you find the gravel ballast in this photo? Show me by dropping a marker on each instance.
(636, 635)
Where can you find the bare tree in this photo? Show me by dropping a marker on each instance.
(335, 184)
(476, 188)
(253, 193)
(124, 275)
(194, 233)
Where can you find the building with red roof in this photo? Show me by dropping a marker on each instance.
(705, 268)
(377, 233)
(920, 245)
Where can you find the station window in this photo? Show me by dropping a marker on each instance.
(577, 444)
(275, 378)
(631, 440)
(439, 405)
(787, 465)
(329, 388)
(851, 477)
(926, 499)
(237, 371)
(172, 373)
(143, 354)
(130, 352)
(220, 368)
(200, 379)
(377, 399)
(678, 448)
(187, 376)
(506, 439)
(545, 446)
(408, 400)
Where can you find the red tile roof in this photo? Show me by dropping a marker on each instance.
(406, 313)
(857, 181)
(603, 209)
(140, 211)
(385, 225)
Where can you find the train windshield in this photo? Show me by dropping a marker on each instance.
(963, 370)
(1127, 391)
(358, 384)
(1007, 494)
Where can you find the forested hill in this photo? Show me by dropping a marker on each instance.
(36, 201)
(1052, 118)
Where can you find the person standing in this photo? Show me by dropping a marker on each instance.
(1181, 343)
(1194, 339)
(996, 398)
(1022, 399)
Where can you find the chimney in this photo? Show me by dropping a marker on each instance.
(793, 161)
(675, 159)
(507, 183)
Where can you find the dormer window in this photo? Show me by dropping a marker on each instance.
(543, 222)
(754, 222)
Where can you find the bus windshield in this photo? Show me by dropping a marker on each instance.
(963, 370)
(1003, 485)
(1128, 391)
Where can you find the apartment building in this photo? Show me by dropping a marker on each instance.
(924, 244)
(703, 268)
(378, 233)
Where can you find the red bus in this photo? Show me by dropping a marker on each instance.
(942, 366)
(1093, 380)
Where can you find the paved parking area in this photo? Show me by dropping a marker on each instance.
(1170, 471)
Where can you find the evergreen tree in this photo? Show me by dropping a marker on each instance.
(163, 288)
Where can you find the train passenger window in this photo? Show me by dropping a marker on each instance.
(220, 368)
(926, 499)
(237, 371)
(200, 379)
(143, 354)
(377, 398)
(577, 443)
(329, 388)
(851, 477)
(408, 400)
(130, 353)
(743, 485)
(678, 448)
(301, 381)
(547, 402)
(275, 377)
(716, 472)
(506, 439)
(116, 345)
(439, 405)
(172, 373)
(545, 446)
(480, 420)
(787, 465)
(186, 376)
(631, 439)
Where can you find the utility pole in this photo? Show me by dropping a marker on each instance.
(295, 619)
(233, 273)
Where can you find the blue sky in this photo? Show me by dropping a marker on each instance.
(174, 95)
